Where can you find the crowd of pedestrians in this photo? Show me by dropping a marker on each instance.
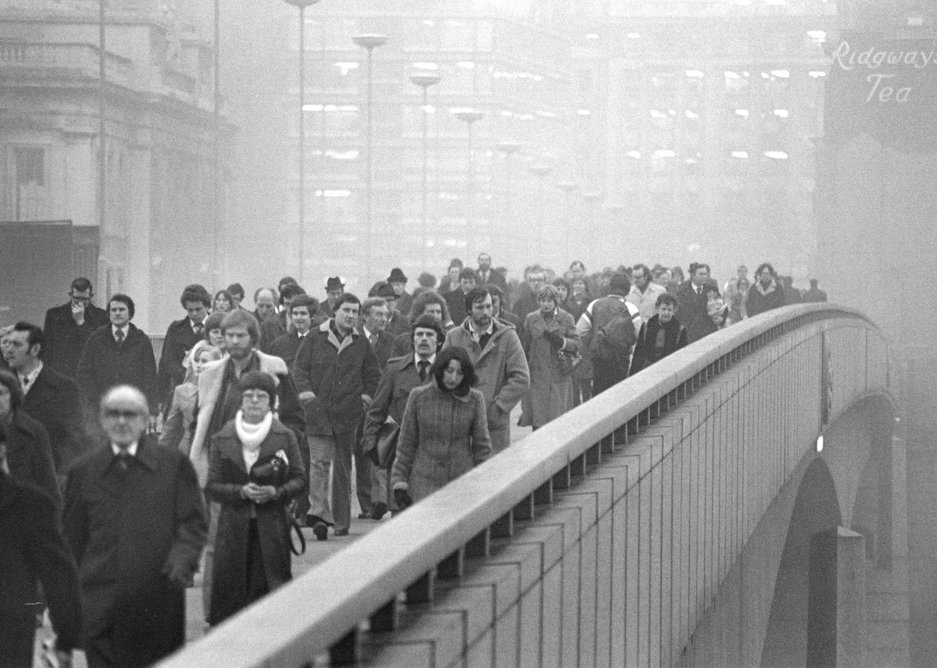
(121, 475)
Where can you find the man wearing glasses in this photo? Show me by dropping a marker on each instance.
(135, 521)
(67, 328)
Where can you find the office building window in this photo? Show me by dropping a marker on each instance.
(28, 183)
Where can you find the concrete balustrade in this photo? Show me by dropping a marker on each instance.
(646, 527)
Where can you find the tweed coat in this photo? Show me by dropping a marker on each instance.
(104, 364)
(442, 436)
(551, 390)
(32, 547)
(227, 475)
(126, 529)
(65, 339)
(53, 401)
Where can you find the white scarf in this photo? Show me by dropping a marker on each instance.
(251, 436)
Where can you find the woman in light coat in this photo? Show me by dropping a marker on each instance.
(552, 348)
(444, 431)
(177, 429)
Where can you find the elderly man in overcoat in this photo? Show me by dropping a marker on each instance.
(135, 521)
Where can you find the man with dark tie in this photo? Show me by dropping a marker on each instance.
(117, 354)
(48, 397)
(691, 310)
(303, 313)
(485, 275)
(402, 375)
(67, 328)
(180, 337)
(135, 521)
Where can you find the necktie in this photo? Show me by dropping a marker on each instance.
(24, 383)
(198, 328)
(423, 366)
(119, 337)
(123, 460)
(373, 339)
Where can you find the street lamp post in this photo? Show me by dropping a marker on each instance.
(509, 148)
(540, 170)
(568, 187)
(301, 237)
(592, 198)
(424, 80)
(470, 117)
(369, 41)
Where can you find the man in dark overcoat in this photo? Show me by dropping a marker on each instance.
(117, 354)
(48, 397)
(32, 548)
(135, 521)
(691, 307)
(67, 328)
(181, 336)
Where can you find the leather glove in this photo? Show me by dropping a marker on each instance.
(555, 340)
(402, 498)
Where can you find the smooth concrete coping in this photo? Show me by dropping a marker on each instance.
(301, 620)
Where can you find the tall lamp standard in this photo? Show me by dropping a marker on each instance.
(568, 187)
(508, 147)
(369, 41)
(470, 117)
(540, 170)
(591, 226)
(301, 237)
(424, 80)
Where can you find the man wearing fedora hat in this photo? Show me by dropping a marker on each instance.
(396, 323)
(334, 287)
(398, 281)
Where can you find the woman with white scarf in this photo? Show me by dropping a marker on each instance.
(255, 471)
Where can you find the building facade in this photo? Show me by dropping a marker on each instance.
(707, 116)
(157, 227)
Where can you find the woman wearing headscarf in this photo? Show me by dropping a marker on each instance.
(255, 471)
(444, 431)
(177, 429)
(552, 348)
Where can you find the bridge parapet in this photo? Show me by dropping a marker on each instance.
(602, 537)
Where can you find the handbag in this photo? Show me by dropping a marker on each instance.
(272, 472)
(386, 449)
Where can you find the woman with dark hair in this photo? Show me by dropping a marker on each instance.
(223, 302)
(29, 454)
(444, 431)
(213, 334)
(256, 470)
